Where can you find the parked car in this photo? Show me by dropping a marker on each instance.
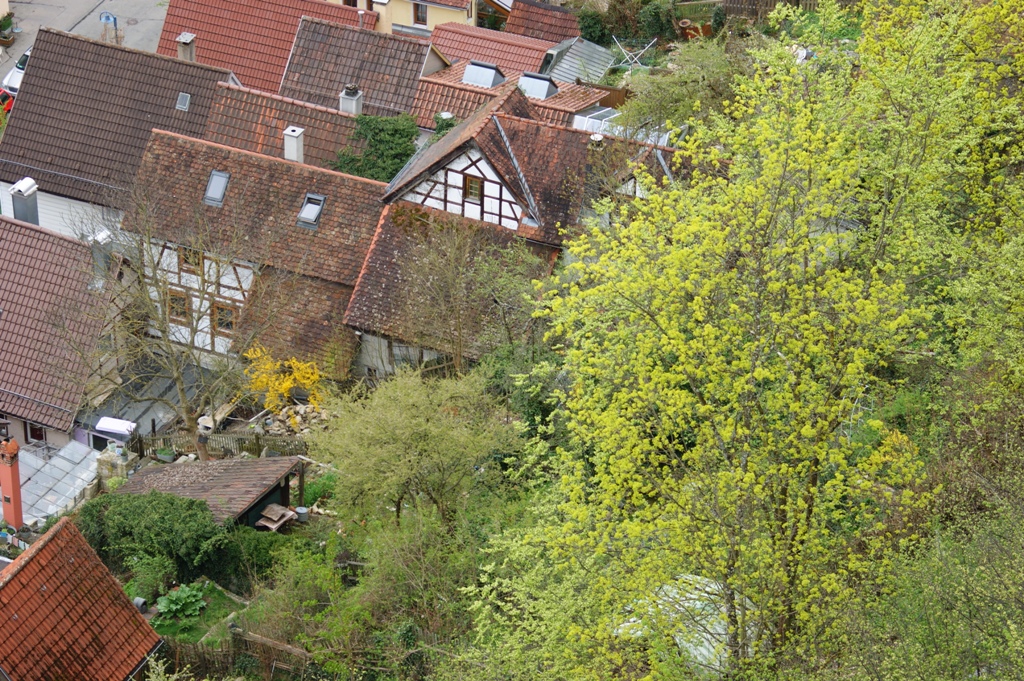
(12, 81)
(6, 100)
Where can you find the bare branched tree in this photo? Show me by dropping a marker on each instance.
(181, 302)
(469, 285)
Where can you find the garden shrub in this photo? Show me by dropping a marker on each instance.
(593, 27)
(151, 576)
(655, 21)
(320, 488)
(122, 526)
(184, 603)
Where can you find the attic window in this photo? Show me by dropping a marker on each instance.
(473, 189)
(536, 86)
(309, 216)
(482, 74)
(183, 99)
(216, 188)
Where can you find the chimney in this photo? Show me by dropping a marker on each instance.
(361, 13)
(186, 46)
(10, 483)
(351, 100)
(293, 150)
(23, 196)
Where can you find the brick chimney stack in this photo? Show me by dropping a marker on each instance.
(10, 482)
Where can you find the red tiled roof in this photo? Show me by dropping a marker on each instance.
(228, 486)
(253, 38)
(458, 4)
(255, 121)
(47, 325)
(506, 50)
(86, 109)
(257, 221)
(541, 20)
(445, 91)
(379, 304)
(66, 617)
(326, 57)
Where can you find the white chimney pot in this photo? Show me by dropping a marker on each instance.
(293, 146)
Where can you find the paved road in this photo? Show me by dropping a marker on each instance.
(140, 21)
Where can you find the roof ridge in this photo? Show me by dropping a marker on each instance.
(500, 36)
(384, 36)
(132, 50)
(366, 259)
(282, 98)
(21, 561)
(544, 5)
(43, 230)
(236, 150)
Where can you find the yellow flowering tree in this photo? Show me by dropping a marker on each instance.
(276, 379)
(730, 492)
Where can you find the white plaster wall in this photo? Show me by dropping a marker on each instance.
(63, 215)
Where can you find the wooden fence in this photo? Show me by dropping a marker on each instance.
(243, 653)
(220, 445)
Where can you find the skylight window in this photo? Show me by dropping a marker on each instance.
(309, 216)
(216, 188)
(183, 100)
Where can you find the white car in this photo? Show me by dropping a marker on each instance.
(12, 81)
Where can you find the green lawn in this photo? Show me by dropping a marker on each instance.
(218, 606)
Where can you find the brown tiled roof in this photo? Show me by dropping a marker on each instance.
(445, 91)
(311, 325)
(255, 121)
(47, 323)
(506, 50)
(252, 38)
(66, 617)
(541, 20)
(555, 169)
(327, 56)
(86, 109)
(258, 219)
(228, 486)
(378, 303)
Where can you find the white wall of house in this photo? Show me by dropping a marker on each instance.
(63, 215)
(446, 190)
(221, 285)
(26, 432)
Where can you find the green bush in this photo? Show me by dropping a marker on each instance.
(184, 603)
(718, 18)
(593, 27)
(655, 21)
(120, 527)
(151, 576)
(390, 142)
(320, 488)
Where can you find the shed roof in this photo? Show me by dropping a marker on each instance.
(86, 108)
(66, 617)
(579, 58)
(228, 486)
(47, 323)
(328, 56)
(506, 50)
(541, 20)
(253, 38)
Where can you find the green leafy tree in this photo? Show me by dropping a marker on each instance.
(728, 491)
(389, 143)
(415, 441)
